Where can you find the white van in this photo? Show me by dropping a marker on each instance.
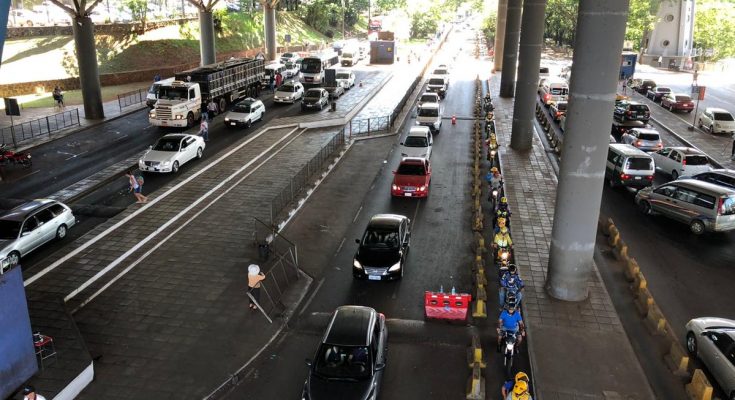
(272, 70)
(152, 97)
(350, 56)
(553, 90)
(628, 166)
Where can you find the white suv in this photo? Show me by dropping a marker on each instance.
(716, 120)
(429, 115)
(418, 143)
(680, 161)
(245, 112)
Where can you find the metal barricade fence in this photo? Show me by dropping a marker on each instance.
(131, 98)
(300, 181)
(280, 273)
(40, 126)
(384, 123)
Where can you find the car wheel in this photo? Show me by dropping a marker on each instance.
(711, 129)
(692, 344)
(674, 175)
(699, 124)
(175, 167)
(222, 105)
(645, 207)
(697, 227)
(61, 232)
(261, 116)
(247, 124)
(199, 152)
(189, 120)
(14, 258)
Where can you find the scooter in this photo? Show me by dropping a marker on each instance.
(508, 345)
(8, 156)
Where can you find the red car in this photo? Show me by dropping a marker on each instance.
(677, 102)
(412, 178)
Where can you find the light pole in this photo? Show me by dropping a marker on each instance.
(343, 19)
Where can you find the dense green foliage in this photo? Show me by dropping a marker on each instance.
(714, 28)
(326, 15)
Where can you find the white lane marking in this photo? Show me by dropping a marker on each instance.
(123, 221)
(340, 246)
(76, 155)
(162, 241)
(357, 214)
(311, 298)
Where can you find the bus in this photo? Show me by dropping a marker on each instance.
(313, 66)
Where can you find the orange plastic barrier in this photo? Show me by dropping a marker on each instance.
(439, 305)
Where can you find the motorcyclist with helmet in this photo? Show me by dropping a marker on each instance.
(503, 211)
(496, 182)
(520, 392)
(510, 321)
(511, 282)
(502, 239)
(509, 384)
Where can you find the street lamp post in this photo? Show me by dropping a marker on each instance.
(696, 108)
(343, 19)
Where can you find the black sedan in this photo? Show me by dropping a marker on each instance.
(383, 248)
(656, 93)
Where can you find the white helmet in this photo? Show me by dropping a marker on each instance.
(253, 269)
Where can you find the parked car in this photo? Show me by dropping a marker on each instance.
(712, 340)
(336, 91)
(557, 110)
(418, 143)
(644, 86)
(171, 152)
(429, 115)
(720, 177)
(412, 178)
(656, 93)
(677, 102)
(703, 206)
(245, 112)
(289, 92)
(351, 357)
(383, 248)
(346, 78)
(645, 139)
(429, 97)
(30, 225)
(679, 161)
(716, 120)
(315, 98)
(631, 111)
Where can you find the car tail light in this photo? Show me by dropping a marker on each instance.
(683, 161)
(649, 177)
(624, 176)
(547, 97)
(720, 203)
(638, 143)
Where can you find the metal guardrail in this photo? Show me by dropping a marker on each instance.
(383, 123)
(131, 98)
(301, 180)
(40, 126)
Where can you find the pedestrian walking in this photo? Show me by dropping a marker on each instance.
(204, 130)
(58, 97)
(279, 79)
(156, 77)
(255, 279)
(29, 393)
(272, 83)
(136, 186)
(212, 109)
(660, 61)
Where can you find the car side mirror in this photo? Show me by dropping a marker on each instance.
(150, 147)
(379, 366)
(26, 233)
(357, 241)
(308, 362)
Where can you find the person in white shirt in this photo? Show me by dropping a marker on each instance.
(29, 393)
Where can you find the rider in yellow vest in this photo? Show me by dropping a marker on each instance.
(520, 392)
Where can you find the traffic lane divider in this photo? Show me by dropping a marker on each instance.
(476, 385)
(699, 388)
(475, 356)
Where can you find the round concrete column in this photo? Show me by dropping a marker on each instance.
(206, 41)
(500, 34)
(510, 50)
(89, 78)
(269, 21)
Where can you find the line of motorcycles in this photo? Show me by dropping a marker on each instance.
(503, 256)
(10, 157)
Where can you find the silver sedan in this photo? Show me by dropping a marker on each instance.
(712, 340)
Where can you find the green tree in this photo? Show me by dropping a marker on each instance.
(714, 28)
(384, 6)
(423, 24)
(561, 21)
(137, 9)
(641, 18)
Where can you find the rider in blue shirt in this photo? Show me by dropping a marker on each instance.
(510, 321)
(511, 281)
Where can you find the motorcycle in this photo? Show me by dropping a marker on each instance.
(512, 298)
(8, 156)
(487, 104)
(495, 195)
(508, 345)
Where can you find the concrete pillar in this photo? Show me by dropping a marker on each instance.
(597, 49)
(500, 34)
(89, 77)
(4, 13)
(529, 60)
(269, 19)
(206, 38)
(510, 48)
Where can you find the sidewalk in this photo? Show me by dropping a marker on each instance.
(577, 349)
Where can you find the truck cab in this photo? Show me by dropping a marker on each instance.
(152, 95)
(179, 105)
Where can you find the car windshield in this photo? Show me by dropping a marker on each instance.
(172, 93)
(427, 98)
(696, 160)
(9, 229)
(411, 169)
(241, 108)
(287, 88)
(436, 81)
(313, 94)
(683, 98)
(416, 141)
(154, 88)
(663, 90)
(649, 136)
(167, 144)
(728, 206)
(561, 106)
(343, 362)
(428, 112)
(290, 65)
(343, 76)
(346, 55)
(287, 55)
(720, 116)
(440, 71)
(380, 238)
(311, 65)
(638, 107)
(639, 163)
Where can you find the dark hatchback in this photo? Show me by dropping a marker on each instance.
(631, 111)
(645, 86)
(383, 248)
(351, 357)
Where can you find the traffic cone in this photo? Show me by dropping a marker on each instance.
(454, 119)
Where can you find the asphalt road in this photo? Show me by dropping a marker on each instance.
(427, 359)
(60, 163)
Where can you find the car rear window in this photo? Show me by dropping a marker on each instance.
(663, 90)
(683, 98)
(704, 200)
(436, 81)
(720, 116)
(696, 160)
(561, 106)
(649, 136)
(728, 206)
(416, 141)
(411, 169)
(638, 107)
(639, 163)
